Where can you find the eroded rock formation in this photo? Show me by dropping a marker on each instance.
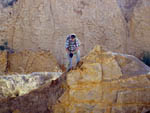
(27, 62)
(30, 61)
(119, 25)
(18, 85)
(37, 101)
(105, 82)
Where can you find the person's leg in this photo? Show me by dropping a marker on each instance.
(70, 62)
(78, 56)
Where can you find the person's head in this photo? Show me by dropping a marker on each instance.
(73, 36)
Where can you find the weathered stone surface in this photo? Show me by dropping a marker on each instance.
(130, 65)
(125, 109)
(3, 62)
(30, 61)
(134, 96)
(101, 85)
(40, 100)
(18, 85)
(88, 93)
(88, 73)
(137, 26)
(115, 65)
(119, 25)
(88, 88)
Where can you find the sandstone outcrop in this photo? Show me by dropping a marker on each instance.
(119, 25)
(28, 61)
(107, 83)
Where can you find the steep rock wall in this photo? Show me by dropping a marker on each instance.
(27, 62)
(119, 25)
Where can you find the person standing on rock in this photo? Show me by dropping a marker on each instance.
(72, 48)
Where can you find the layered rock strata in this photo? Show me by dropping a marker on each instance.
(104, 82)
(107, 83)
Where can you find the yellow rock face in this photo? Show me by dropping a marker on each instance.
(29, 61)
(103, 84)
(118, 25)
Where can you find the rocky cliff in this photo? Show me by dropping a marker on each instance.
(104, 82)
(118, 25)
(28, 61)
(107, 83)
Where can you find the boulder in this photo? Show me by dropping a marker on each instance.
(106, 82)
